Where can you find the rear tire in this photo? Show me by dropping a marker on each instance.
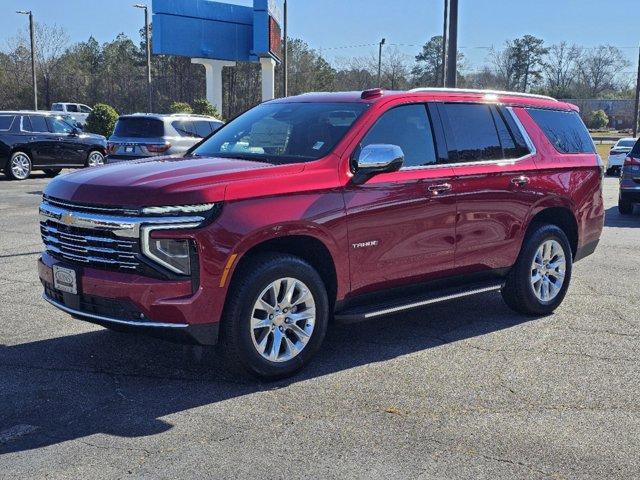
(249, 333)
(95, 158)
(523, 292)
(19, 166)
(625, 206)
(52, 172)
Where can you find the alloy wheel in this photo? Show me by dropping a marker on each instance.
(283, 320)
(548, 271)
(20, 166)
(95, 159)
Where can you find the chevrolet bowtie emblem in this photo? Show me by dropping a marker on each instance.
(67, 219)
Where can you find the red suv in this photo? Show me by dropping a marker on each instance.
(346, 205)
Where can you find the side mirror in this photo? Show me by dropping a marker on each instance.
(74, 132)
(375, 159)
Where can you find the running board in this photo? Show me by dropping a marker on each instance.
(368, 312)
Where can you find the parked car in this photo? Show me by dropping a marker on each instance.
(348, 205)
(630, 181)
(45, 141)
(618, 153)
(78, 111)
(149, 135)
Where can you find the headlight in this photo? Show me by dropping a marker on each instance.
(179, 209)
(173, 254)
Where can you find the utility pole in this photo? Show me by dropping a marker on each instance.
(452, 55)
(445, 32)
(285, 59)
(637, 104)
(33, 57)
(382, 42)
(147, 37)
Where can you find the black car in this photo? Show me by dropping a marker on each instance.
(45, 141)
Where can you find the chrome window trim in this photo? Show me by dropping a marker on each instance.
(499, 162)
(80, 313)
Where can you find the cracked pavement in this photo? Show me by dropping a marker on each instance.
(463, 390)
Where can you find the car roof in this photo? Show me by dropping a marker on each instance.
(433, 94)
(628, 139)
(171, 116)
(31, 112)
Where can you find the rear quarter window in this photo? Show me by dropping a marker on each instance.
(565, 130)
(6, 121)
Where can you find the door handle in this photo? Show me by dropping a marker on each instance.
(440, 188)
(521, 181)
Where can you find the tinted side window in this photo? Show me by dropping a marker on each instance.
(185, 128)
(513, 143)
(38, 124)
(203, 128)
(85, 109)
(57, 107)
(6, 121)
(57, 125)
(564, 130)
(470, 132)
(72, 108)
(409, 128)
(26, 124)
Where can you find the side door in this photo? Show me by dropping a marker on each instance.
(401, 225)
(493, 161)
(70, 150)
(42, 143)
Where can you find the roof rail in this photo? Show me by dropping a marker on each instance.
(485, 92)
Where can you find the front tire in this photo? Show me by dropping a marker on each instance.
(275, 318)
(538, 282)
(625, 206)
(19, 166)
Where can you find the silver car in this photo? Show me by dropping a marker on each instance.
(618, 153)
(144, 135)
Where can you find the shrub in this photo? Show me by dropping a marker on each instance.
(102, 120)
(597, 120)
(202, 106)
(180, 107)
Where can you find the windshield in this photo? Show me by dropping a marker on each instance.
(626, 144)
(283, 132)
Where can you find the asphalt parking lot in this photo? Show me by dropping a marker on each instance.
(463, 390)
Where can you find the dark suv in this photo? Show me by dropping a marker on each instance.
(630, 181)
(346, 205)
(45, 141)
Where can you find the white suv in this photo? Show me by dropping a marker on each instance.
(78, 111)
(618, 153)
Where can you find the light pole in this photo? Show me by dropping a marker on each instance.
(445, 32)
(147, 36)
(636, 107)
(33, 57)
(452, 53)
(382, 42)
(285, 59)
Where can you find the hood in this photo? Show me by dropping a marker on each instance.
(160, 181)
(93, 136)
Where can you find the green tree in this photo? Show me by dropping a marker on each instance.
(180, 107)
(427, 71)
(202, 106)
(102, 120)
(519, 65)
(597, 120)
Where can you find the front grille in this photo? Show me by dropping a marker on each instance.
(96, 248)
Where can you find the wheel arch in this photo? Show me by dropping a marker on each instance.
(308, 247)
(561, 216)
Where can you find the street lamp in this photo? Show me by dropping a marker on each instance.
(33, 56)
(382, 42)
(285, 53)
(147, 36)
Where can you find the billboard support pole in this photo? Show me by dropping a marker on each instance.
(213, 73)
(268, 65)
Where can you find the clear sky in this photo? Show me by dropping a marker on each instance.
(332, 25)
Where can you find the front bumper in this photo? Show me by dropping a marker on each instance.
(130, 302)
